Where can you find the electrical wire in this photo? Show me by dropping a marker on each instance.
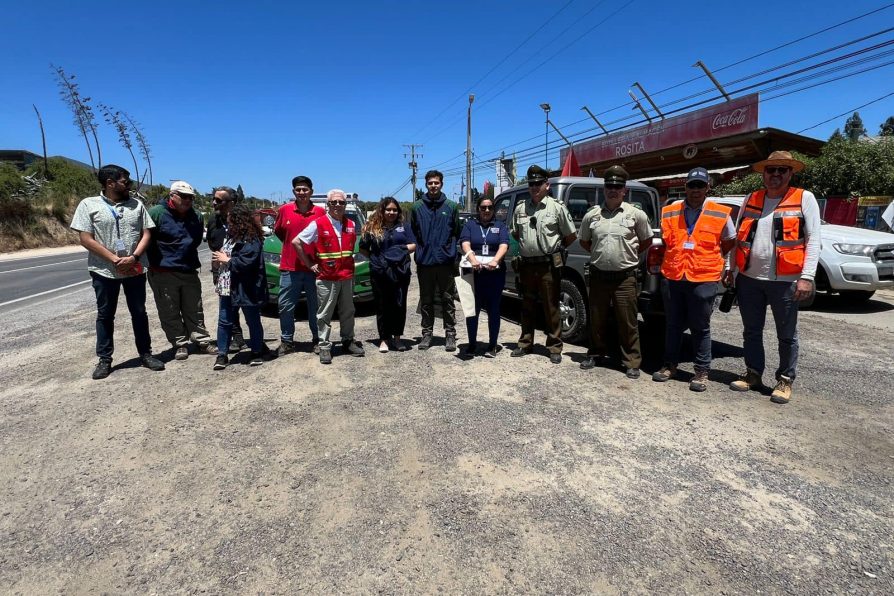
(847, 113)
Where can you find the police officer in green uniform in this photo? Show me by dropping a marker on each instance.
(615, 233)
(543, 227)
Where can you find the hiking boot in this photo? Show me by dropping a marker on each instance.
(325, 356)
(354, 348)
(667, 372)
(103, 368)
(632, 373)
(237, 343)
(425, 342)
(782, 393)
(182, 353)
(750, 380)
(221, 362)
(450, 343)
(285, 347)
(700, 381)
(555, 358)
(519, 352)
(208, 348)
(151, 362)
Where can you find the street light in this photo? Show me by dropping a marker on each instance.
(545, 107)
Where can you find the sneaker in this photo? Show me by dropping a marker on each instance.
(103, 368)
(667, 372)
(354, 348)
(221, 362)
(383, 347)
(450, 343)
(782, 393)
(519, 352)
(700, 381)
(470, 350)
(555, 358)
(400, 345)
(256, 359)
(285, 347)
(325, 356)
(632, 373)
(425, 342)
(237, 343)
(182, 353)
(151, 362)
(208, 348)
(589, 363)
(750, 380)
(316, 343)
(491, 352)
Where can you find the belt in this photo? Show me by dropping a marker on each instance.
(534, 260)
(612, 275)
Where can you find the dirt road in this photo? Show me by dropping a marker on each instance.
(421, 472)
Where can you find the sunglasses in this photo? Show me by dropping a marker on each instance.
(338, 203)
(485, 208)
(536, 184)
(614, 186)
(777, 170)
(696, 184)
(125, 182)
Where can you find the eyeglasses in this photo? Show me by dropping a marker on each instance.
(777, 170)
(184, 196)
(125, 182)
(485, 208)
(614, 186)
(698, 184)
(338, 203)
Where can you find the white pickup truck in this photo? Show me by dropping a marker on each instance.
(854, 262)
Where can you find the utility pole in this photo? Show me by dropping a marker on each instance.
(469, 156)
(413, 165)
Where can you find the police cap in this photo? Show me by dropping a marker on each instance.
(616, 175)
(537, 174)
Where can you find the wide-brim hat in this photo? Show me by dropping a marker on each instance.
(780, 158)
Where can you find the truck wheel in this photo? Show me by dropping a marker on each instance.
(573, 311)
(856, 296)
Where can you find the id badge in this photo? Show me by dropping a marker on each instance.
(689, 246)
(120, 249)
(557, 259)
(485, 250)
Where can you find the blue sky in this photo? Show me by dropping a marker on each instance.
(255, 93)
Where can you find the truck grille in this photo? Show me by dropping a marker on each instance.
(884, 254)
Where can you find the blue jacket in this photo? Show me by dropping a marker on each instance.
(175, 241)
(435, 224)
(248, 278)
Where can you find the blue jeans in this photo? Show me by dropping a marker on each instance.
(291, 285)
(107, 292)
(688, 304)
(488, 293)
(754, 295)
(227, 314)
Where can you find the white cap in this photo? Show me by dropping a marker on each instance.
(182, 188)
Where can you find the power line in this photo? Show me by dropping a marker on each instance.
(848, 112)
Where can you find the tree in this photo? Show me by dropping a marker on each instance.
(142, 144)
(740, 186)
(843, 168)
(114, 119)
(71, 95)
(836, 135)
(240, 196)
(887, 127)
(853, 128)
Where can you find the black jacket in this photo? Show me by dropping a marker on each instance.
(248, 279)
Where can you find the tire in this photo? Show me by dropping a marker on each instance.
(573, 311)
(856, 296)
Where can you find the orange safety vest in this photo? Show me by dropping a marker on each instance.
(788, 231)
(696, 256)
(336, 259)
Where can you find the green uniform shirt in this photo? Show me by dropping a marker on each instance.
(541, 228)
(615, 235)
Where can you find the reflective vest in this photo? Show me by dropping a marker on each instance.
(696, 256)
(336, 260)
(788, 231)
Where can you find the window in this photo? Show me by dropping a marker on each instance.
(643, 200)
(501, 208)
(579, 200)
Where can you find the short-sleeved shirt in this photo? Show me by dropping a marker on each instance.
(108, 221)
(491, 234)
(540, 228)
(615, 236)
(289, 223)
(310, 234)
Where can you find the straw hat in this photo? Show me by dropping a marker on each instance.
(780, 158)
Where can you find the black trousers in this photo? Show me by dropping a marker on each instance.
(437, 280)
(391, 305)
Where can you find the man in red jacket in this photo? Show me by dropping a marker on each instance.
(332, 237)
(294, 276)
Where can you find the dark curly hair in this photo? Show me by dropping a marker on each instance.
(242, 223)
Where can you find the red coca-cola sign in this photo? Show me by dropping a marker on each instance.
(721, 120)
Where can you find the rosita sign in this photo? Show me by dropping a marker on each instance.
(729, 118)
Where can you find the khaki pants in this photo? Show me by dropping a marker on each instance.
(540, 282)
(332, 294)
(621, 296)
(178, 298)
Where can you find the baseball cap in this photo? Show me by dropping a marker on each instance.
(699, 175)
(182, 188)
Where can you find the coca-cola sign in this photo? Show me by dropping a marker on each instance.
(725, 119)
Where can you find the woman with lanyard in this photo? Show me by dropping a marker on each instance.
(484, 242)
(388, 244)
(242, 284)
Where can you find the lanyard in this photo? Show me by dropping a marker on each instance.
(117, 219)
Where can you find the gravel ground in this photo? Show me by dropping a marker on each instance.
(422, 472)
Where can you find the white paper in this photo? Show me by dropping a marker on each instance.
(465, 287)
